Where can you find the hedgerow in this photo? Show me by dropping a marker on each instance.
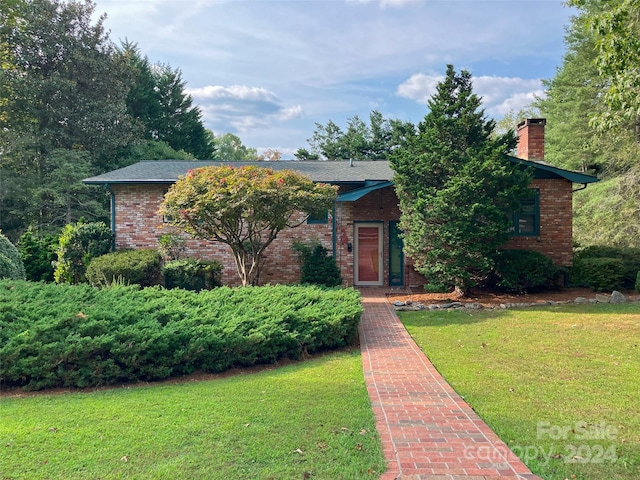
(80, 336)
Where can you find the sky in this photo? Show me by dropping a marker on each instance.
(268, 71)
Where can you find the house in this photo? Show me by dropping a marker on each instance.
(362, 229)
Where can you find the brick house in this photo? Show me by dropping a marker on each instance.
(361, 231)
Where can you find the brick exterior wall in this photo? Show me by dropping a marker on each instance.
(556, 217)
(138, 225)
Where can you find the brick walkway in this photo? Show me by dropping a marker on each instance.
(428, 432)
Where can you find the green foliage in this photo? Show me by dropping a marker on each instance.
(604, 213)
(141, 267)
(455, 183)
(192, 274)
(601, 273)
(615, 28)
(77, 245)
(318, 267)
(523, 270)
(10, 262)
(171, 246)
(637, 285)
(630, 258)
(38, 252)
(360, 141)
(245, 208)
(79, 336)
(231, 149)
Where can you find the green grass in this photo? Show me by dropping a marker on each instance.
(305, 420)
(560, 385)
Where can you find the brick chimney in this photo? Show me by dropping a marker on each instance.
(531, 139)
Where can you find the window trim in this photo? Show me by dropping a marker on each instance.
(319, 221)
(535, 203)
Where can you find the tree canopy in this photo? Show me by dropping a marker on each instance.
(456, 186)
(245, 208)
(72, 105)
(360, 141)
(591, 105)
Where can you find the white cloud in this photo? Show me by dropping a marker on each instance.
(419, 87)
(499, 94)
(242, 107)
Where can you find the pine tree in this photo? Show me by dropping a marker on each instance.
(456, 186)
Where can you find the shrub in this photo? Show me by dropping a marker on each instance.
(192, 274)
(38, 254)
(54, 335)
(637, 286)
(141, 267)
(630, 259)
(318, 267)
(522, 270)
(171, 246)
(77, 245)
(10, 262)
(599, 273)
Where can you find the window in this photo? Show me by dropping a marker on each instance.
(318, 219)
(526, 220)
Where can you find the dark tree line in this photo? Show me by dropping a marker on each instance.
(73, 105)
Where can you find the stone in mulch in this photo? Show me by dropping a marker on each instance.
(408, 305)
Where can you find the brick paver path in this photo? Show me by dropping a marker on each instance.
(428, 432)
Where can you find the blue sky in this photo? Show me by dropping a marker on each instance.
(268, 70)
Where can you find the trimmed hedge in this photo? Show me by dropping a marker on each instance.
(601, 274)
(80, 336)
(142, 267)
(192, 274)
(621, 276)
(522, 270)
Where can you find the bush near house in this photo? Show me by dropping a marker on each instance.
(192, 274)
(318, 267)
(38, 252)
(80, 336)
(606, 268)
(78, 244)
(141, 267)
(522, 270)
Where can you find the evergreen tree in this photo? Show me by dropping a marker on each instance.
(456, 186)
(158, 102)
(62, 92)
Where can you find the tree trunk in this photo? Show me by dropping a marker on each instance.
(459, 292)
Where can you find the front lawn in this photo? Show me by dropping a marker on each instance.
(305, 420)
(560, 385)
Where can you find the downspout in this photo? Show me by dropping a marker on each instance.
(584, 185)
(112, 204)
(334, 237)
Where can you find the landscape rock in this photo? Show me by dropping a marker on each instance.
(600, 298)
(617, 297)
(581, 300)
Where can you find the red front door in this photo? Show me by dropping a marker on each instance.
(368, 254)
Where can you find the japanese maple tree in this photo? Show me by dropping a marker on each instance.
(244, 207)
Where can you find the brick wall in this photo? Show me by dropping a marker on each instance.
(138, 225)
(556, 236)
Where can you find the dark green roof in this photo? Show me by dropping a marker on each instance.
(168, 171)
(544, 170)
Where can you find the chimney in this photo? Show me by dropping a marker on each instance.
(531, 139)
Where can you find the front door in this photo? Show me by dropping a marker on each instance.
(368, 254)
